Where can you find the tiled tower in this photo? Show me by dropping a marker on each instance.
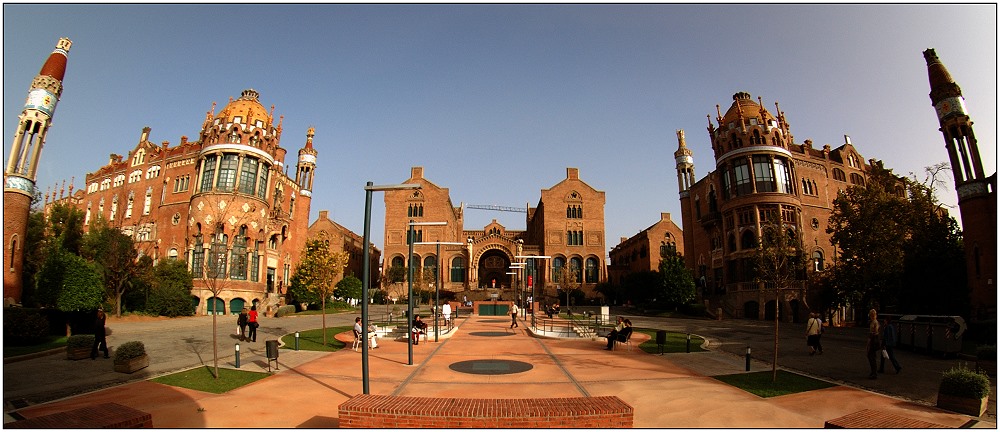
(977, 197)
(19, 177)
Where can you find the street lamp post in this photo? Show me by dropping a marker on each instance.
(366, 269)
(439, 280)
(411, 238)
(517, 286)
(532, 258)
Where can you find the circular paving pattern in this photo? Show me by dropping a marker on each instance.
(490, 367)
(491, 334)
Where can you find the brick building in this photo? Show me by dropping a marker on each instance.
(977, 198)
(642, 251)
(567, 225)
(344, 240)
(761, 174)
(223, 203)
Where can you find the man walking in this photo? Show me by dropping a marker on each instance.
(513, 315)
(888, 343)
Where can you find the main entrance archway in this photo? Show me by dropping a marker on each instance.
(493, 267)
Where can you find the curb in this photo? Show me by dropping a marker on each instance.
(15, 359)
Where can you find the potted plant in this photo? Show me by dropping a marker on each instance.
(130, 357)
(78, 347)
(964, 391)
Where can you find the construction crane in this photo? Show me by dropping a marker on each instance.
(493, 207)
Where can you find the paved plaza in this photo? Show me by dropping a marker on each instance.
(483, 358)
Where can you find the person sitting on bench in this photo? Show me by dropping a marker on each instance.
(419, 327)
(613, 334)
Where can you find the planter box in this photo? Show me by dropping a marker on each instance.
(132, 365)
(77, 353)
(962, 404)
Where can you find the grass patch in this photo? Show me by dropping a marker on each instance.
(759, 383)
(201, 379)
(51, 342)
(312, 340)
(676, 342)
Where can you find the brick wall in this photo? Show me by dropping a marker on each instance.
(379, 411)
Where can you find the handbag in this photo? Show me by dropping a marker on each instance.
(885, 354)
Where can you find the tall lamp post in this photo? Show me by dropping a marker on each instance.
(411, 239)
(517, 286)
(366, 269)
(438, 280)
(532, 258)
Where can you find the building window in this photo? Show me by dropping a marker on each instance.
(557, 266)
(857, 179)
(415, 210)
(172, 254)
(574, 212)
(227, 173)
(430, 267)
(255, 263)
(153, 172)
(838, 175)
(262, 184)
(741, 172)
(135, 176)
(418, 235)
(208, 172)
(748, 240)
(148, 202)
(198, 256)
(86, 219)
(575, 266)
(138, 158)
(238, 256)
(574, 238)
(248, 176)
(782, 177)
(763, 174)
(818, 261)
(592, 270)
(114, 208)
(128, 207)
(458, 269)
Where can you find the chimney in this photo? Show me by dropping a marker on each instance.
(573, 173)
(145, 134)
(665, 216)
(323, 214)
(417, 172)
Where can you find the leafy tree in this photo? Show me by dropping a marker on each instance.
(82, 286)
(349, 287)
(317, 269)
(779, 260)
(51, 275)
(66, 226)
(613, 293)
(299, 292)
(676, 281)
(116, 257)
(869, 227)
(35, 245)
(170, 291)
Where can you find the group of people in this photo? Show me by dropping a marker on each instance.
(247, 322)
(621, 332)
(881, 342)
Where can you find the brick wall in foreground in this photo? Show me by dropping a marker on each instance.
(380, 411)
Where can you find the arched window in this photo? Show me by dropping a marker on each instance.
(592, 270)
(430, 265)
(172, 254)
(217, 254)
(458, 269)
(398, 262)
(575, 266)
(148, 202)
(857, 179)
(248, 176)
(838, 175)
(713, 205)
(818, 261)
(748, 240)
(557, 266)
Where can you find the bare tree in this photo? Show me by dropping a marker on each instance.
(779, 259)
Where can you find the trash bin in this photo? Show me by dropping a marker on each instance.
(661, 339)
(272, 353)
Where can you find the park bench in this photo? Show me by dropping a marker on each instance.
(103, 416)
(872, 419)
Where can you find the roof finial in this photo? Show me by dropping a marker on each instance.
(71, 179)
(719, 112)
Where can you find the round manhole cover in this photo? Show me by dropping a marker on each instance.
(490, 367)
(491, 334)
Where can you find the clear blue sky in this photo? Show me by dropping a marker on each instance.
(495, 101)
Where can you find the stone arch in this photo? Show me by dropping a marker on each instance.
(492, 265)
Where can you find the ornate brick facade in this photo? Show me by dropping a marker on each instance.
(567, 224)
(642, 251)
(760, 175)
(344, 240)
(223, 204)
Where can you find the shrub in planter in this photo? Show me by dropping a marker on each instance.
(78, 347)
(130, 357)
(285, 310)
(964, 391)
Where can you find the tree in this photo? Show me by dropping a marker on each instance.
(170, 291)
(567, 282)
(115, 255)
(779, 260)
(676, 281)
(869, 227)
(317, 269)
(349, 287)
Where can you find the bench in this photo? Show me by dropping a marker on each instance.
(103, 416)
(872, 419)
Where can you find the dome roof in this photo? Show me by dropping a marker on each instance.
(247, 107)
(750, 109)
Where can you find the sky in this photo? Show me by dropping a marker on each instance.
(496, 101)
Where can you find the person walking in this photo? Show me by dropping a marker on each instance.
(446, 313)
(513, 315)
(874, 345)
(100, 335)
(242, 321)
(813, 328)
(888, 343)
(253, 324)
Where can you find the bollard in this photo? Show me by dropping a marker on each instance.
(237, 355)
(296, 341)
(688, 348)
(748, 358)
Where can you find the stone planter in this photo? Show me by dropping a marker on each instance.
(79, 353)
(133, 364)
(961, 404)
